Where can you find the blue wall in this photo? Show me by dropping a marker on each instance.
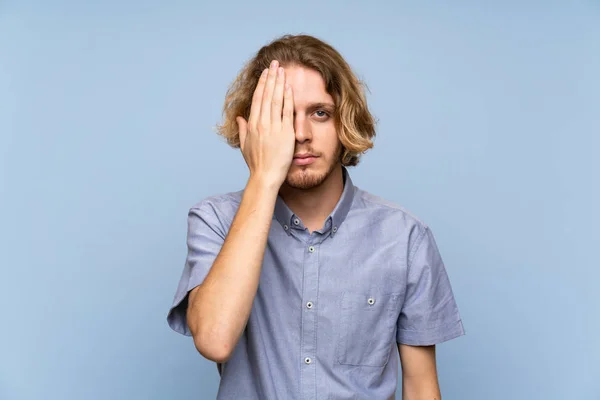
(489, 132)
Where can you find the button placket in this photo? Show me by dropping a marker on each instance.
(310, 272)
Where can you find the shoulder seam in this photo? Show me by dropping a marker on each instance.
(204, 205)
(417, 246)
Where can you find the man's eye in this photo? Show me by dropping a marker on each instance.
(321, 113)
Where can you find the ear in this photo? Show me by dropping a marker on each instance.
(243, 130)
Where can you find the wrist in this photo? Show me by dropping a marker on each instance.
(264, 183)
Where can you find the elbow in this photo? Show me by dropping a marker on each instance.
(213, 348)
(211, 339)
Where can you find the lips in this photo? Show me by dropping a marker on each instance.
(304, 159)
(307, 155)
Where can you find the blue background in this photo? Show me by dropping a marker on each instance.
(489, 123)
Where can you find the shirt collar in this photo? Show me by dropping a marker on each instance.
(289, 220)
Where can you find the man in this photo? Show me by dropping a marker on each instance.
(302, 285)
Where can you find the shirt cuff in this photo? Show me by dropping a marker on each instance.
(431, 336)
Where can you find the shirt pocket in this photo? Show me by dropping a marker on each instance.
(367, 328)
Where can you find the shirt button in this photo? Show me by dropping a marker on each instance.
(334, 229)
(309, 304)
(371, 301)
(296, 221)
(311, 249)
(286, 227)
(307, 360)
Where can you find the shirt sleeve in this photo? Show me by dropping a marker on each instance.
(205, 238)
(429, 313)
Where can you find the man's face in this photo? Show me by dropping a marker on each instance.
(314, 125)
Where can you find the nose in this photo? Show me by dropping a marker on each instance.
(302, 129)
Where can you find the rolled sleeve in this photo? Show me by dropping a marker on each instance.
(429, 313)
(204, 241)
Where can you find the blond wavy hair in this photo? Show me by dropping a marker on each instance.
(355, 124)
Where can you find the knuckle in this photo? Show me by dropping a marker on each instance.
(253, 128)
(263, 126)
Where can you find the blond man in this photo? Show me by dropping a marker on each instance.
(302, 285)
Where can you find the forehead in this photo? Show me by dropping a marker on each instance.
(308, 86)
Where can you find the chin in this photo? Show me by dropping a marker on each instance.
(305, 178)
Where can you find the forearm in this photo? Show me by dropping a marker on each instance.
(219, 309)
(421, 387)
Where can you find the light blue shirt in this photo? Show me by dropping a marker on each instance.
(331, 306)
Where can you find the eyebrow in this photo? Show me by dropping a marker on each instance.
(321, 105)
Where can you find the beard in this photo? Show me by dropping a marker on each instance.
(307, 178)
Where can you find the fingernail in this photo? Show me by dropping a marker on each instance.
(274, 64)
(280, 71)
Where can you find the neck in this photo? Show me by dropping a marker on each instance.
(314, 205)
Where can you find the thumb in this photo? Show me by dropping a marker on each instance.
(243, 130)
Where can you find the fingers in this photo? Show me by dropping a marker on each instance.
(243, 130)
(288, 108)
(265, 108)
(257, 98)
(277, 101)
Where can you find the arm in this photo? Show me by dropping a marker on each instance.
(219, 308)
(429, 316)
(419, 373)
